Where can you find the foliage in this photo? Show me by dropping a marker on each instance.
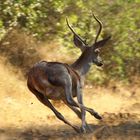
(46, 21)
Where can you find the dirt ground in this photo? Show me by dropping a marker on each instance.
(23, 117)
(26, 119)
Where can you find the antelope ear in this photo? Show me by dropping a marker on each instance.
(78, 43)
(102, 42)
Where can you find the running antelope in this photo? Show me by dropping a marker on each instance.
(60, 81)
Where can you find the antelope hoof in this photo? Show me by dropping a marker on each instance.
(88, 128)
(97, 116)
(77, 129)
(84, 129)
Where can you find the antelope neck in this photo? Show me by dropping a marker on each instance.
(83, 63)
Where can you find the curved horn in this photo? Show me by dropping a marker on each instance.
(100, 27)
(74, 32)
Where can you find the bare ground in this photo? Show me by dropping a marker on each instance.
(26, 119)
(127, 130)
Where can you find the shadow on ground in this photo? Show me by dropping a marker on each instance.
(124, 131)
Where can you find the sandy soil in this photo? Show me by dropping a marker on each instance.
(23, 117)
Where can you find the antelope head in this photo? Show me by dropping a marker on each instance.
(92, 50)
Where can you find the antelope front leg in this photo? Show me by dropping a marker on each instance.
(80, 101)
(71, 102)
(80, 105)
(83, 115)
(90, 110)
(77, 112)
